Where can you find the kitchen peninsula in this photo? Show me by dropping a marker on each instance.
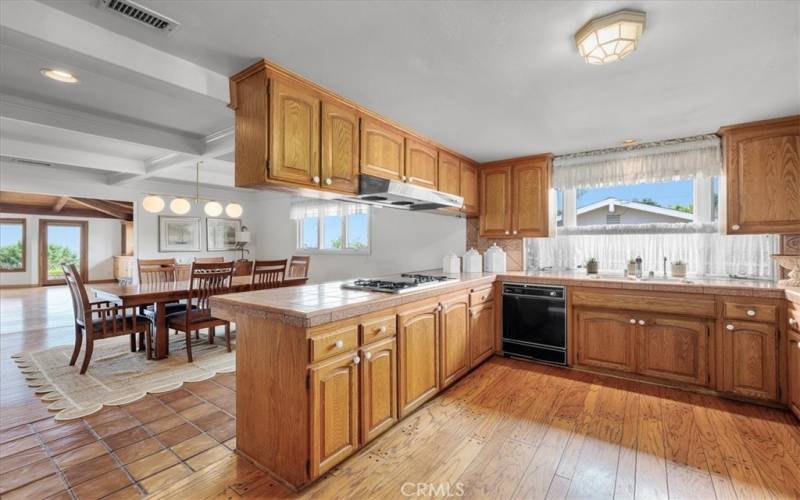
(322, 371)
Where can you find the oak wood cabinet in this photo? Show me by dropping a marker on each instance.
(469, 188)
(762, 167)
(382, 150)
(334, 412)
(481, 332)
(605, 339)
(378, 388)
(340, 138)
(449, 173)
(454, 338)
(294, 113)
(422, 164)
(750, 359)
(674, 349)
(495, 200)
(794, 372)
(418, 355)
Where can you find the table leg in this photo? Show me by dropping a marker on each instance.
(162, 332)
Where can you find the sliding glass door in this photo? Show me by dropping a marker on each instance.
(62, 241)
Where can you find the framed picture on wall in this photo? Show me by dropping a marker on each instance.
(178, 234)
(221, 234)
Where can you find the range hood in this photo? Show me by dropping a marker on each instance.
(395, 194)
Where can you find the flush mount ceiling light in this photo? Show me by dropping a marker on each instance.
(59, 75)
(630, 142)
(610, 38)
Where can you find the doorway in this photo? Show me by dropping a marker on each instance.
(62, 241)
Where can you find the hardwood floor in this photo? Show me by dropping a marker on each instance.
(508, 430)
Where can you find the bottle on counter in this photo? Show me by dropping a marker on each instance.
(473, 261)
(494, 259)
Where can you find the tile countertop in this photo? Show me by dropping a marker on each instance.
(312, 305)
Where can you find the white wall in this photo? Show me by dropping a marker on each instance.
(400, 241)
(105, 237)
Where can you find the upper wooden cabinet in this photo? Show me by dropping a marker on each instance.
(469, 188)
(422, 164)
(382, 150)
(762, 167)
(339, 169)
(449, 174)
(295, 134)
(514, 198)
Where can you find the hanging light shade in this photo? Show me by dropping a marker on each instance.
(610, 38)
(213, 208)
(153, 204)
(180, 206)
(233, 210)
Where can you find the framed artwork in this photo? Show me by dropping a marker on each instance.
(221, 234)
(178, 234)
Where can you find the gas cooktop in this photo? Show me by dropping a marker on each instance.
(406, 282)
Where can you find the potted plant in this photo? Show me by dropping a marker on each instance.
(678, 269)
(591, 266)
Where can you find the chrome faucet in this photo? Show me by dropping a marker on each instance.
(638, 268)
(665, 268)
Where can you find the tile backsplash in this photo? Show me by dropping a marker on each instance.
(514, 248)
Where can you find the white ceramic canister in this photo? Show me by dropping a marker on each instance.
(473, 261)
(451, 263)
(494, 259)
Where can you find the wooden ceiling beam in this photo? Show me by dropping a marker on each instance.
(104, 207)
(19, 208)
(60, 204)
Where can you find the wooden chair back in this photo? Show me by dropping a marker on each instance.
(80, 299)
(207, 280)
(298, 266)
(209, 260)
(267, 274)
(153, 271)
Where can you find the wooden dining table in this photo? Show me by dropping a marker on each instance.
(159, 295)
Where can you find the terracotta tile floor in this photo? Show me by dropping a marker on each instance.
(126, 452)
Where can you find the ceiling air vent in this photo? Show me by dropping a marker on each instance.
(140, 14)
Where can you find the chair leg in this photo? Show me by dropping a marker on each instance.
(133, 342)
(211, 335)
(78, 342)
(87, 356)
(142, 346)
(148, 350)
(228, 336)
(189, 345)
(197, 334)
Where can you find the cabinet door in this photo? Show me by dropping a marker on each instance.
(454, 339)
(794, 373)
(481, 333)
(449, 174)
(762, 162)
(294, 113)
(334, 410)
(605, 339)
(422, 164)
(339, 171)
(382, 150)
(418, 350)
(749, 359)
(674, 349)
(378, 388)
(469, 188)
(495, 195)
(530, 185)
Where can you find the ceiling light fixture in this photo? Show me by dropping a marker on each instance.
(610, 38)
(59, 75)
(213, 208)
(630, 142)
(234, 210)
(180, 206)
(153, 204)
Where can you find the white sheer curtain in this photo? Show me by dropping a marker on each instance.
(311, 207)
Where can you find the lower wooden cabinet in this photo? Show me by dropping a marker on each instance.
(418, 356)
(605, 339)
(481, 332)
(334, 412)
(378, 388)
(794, 373)
(454, 339)
(750, 359)
(674, 349)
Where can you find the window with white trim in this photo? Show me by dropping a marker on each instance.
(332, 226)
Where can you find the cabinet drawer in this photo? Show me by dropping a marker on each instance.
(481, 295)
(338, 341)
(749, 311)
(794, 317)
(682, 304)
(378, 328)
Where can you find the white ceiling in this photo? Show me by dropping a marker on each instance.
(489, 79)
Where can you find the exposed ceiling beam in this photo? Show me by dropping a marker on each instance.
(104, 207)
(18, 208)
(56, 155)
(60, 203)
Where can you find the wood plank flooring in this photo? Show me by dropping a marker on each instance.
(508, 430)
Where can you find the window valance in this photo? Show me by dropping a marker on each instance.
(652, 162)
(310, 207)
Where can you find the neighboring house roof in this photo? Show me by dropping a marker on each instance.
(644, 207)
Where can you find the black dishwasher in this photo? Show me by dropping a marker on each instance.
(535, 322)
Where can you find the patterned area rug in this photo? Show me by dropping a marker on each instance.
(116, 375)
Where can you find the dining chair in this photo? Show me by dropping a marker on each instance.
(209, 260)
(267, 274)
(101, 320)
(156, 271)
(206, 280)
(298, 266)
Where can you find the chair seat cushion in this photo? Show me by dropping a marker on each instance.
(197, 316)
(171, 308)
(123, 324)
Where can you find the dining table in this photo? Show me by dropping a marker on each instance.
(159, 295)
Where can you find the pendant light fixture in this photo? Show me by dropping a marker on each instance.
(610, 38)
(154, 203)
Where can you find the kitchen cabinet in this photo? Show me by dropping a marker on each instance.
(762, 176)
(449, 174)
(794, 372)
(454, 339)
(294, 113)
(340, 136)
(605, 339)
(674, 349)
(418, 353)
(495, 202)
(469, 188)
(421, 164)
(481, 332)
(382, 150)
(378, 388)
(334, 412)
(750, 359)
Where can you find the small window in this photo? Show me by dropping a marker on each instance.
(612, 218)
(334, 233)
(12, 245)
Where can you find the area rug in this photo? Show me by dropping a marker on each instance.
(116, 375)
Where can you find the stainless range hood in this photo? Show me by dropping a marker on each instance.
(395, 194)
